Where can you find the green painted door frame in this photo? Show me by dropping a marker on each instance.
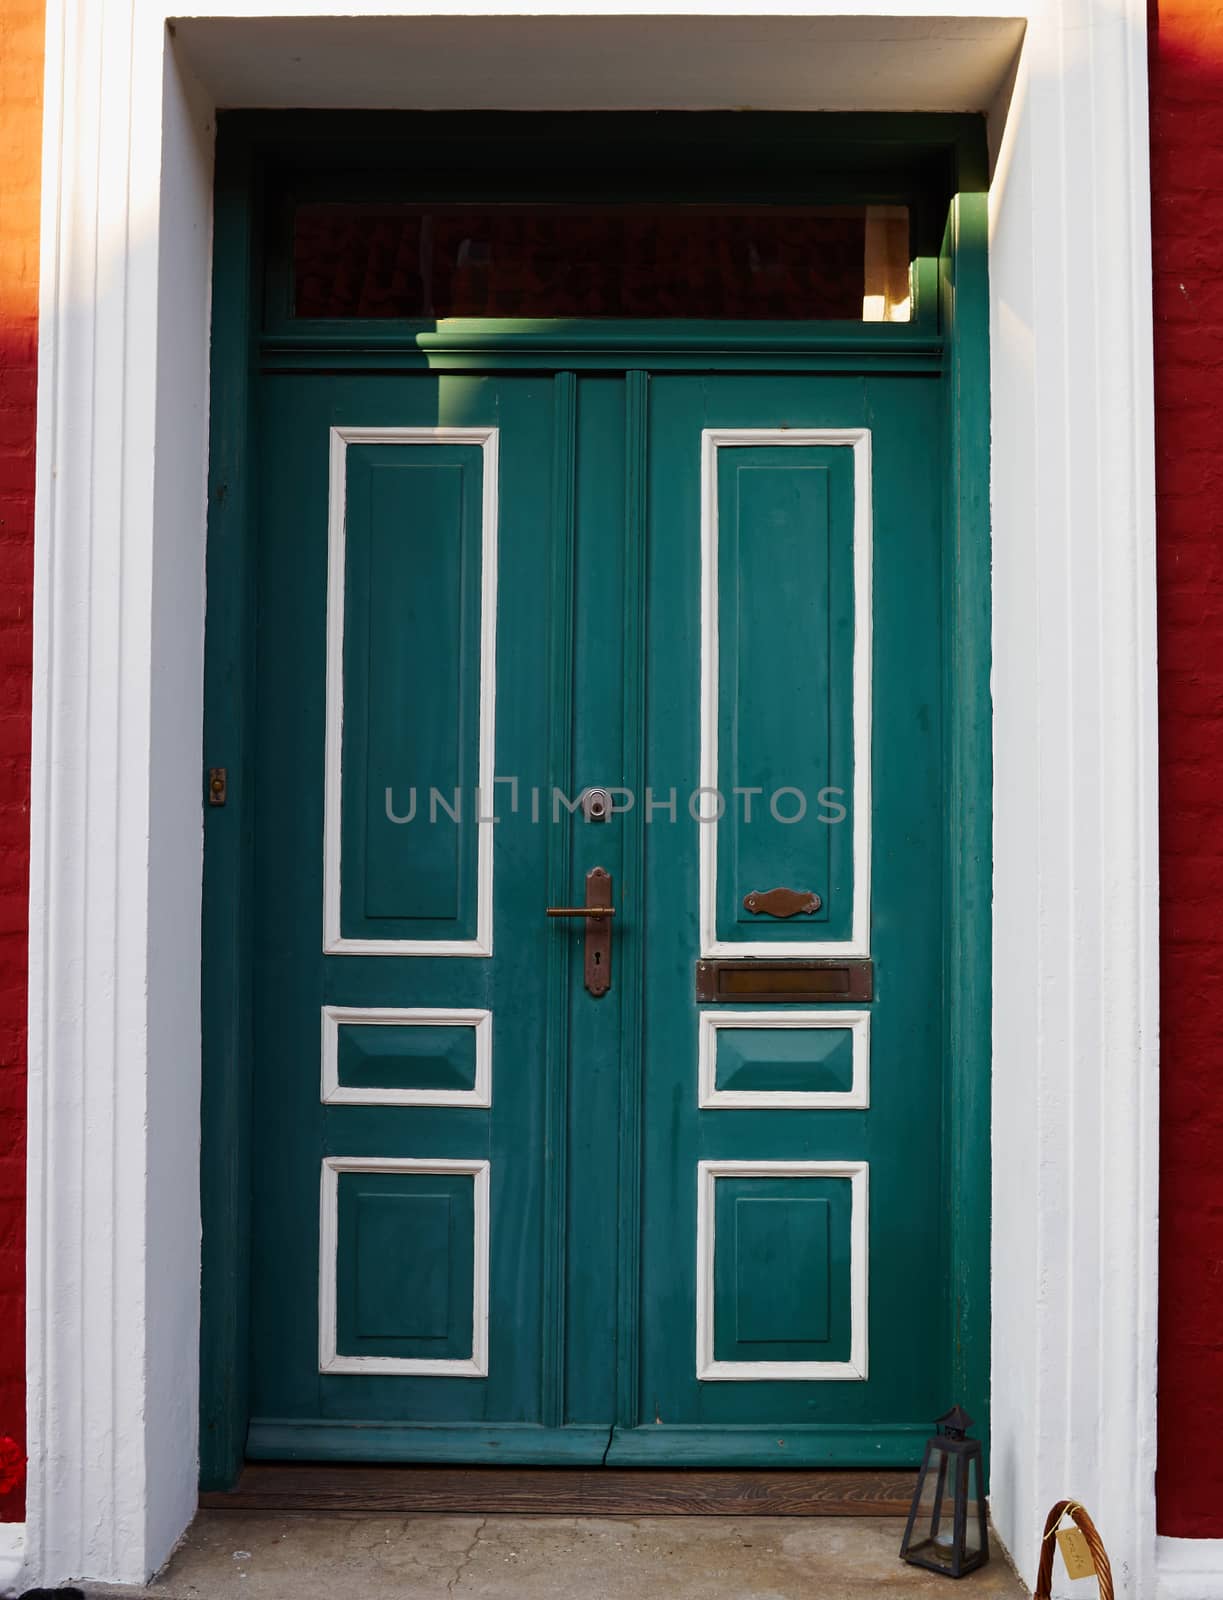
(936, 166)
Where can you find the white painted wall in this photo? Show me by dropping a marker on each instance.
(116, 813)
(1075, 910)
(116, 820)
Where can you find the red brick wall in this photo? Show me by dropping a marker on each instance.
(1187, 217)
(21, 52)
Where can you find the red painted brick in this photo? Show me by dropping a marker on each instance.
(21, 51)
(1187, 225)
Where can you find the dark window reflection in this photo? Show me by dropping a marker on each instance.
(552, 261)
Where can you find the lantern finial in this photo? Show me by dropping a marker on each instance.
(955, 1423)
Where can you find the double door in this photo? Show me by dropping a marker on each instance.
(659, 1185)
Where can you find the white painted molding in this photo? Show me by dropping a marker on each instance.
(708, 1368)
(1189, 1569)
(116, 817)
(1076, 917)
(334, 942)
(859, 441)
(335, 1093)
(711, 1023)
(476, 1366)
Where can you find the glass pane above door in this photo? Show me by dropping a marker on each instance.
(379, 261)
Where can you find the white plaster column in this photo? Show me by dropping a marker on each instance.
(1076, 926)
(116, 811)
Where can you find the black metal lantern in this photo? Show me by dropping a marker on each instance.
(946, 1530)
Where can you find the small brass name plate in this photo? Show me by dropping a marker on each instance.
(780, 982)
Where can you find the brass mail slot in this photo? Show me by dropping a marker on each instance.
(779, 982)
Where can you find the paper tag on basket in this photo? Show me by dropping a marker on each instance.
(1076, 1553)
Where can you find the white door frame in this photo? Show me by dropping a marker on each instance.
(119, 595)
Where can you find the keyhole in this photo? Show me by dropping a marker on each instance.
(598, 957)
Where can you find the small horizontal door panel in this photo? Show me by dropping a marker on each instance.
(797, 1059)
(411, 1058)
(771, 1059)
(425, 1056)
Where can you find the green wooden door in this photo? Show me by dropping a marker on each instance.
(496, 1218)
(793, 1216)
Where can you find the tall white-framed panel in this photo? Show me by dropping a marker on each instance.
(334, 941)
(858, 440)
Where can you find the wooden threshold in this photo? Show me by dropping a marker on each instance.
(566, 1491)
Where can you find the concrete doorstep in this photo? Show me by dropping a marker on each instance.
(265, 1555)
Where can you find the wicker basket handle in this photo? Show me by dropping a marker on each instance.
(1104, 1573)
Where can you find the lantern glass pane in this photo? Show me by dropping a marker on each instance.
(934, 1524)
(972, 1525)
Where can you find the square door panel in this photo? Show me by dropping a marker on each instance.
(773, 1277)
(799, 1059)
(781, 1277)
(403, 1269)
(424, 1056)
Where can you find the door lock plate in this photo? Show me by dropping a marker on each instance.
(598, 912)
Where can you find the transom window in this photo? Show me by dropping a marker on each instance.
(385, 261)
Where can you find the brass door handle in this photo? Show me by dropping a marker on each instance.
(598, 912)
